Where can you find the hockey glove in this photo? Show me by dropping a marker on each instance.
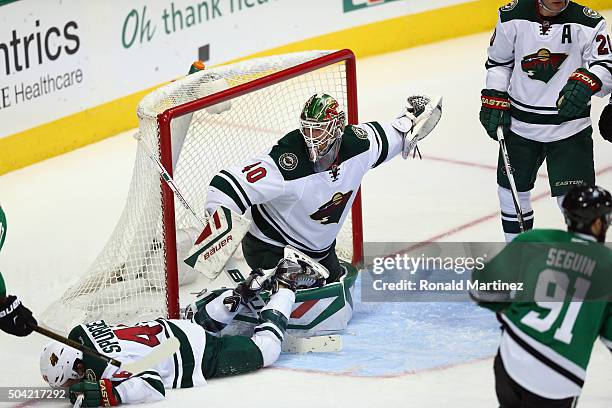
(418, 118)
(96, 394)
(15, 318)
(495, 111)
(576, 94)
(605, 123)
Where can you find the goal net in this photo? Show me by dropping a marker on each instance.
(195, 127)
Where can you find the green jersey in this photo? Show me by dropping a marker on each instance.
(548, 335)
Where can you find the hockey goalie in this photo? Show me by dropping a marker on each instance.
(300, 193)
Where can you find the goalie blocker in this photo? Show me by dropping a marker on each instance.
(317, 311)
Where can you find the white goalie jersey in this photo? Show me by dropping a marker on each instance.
(532, 58)
(290, 203)
(128, 343)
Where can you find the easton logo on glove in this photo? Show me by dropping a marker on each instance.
(107, 398)
(495, 103)
(581, 76)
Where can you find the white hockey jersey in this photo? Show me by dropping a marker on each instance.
(531, 57)
(129, 343)
(290, 203)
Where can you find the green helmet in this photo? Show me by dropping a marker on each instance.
(322, 125)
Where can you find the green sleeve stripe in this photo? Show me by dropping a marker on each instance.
(2, 286)
(244, 194)
(208, 323)
(154, 380)
(163, 323)
(381, 139)
(274, 317)
(224, 186)
(539, 119)
(157, 385)
(186, 353)
(270, 329)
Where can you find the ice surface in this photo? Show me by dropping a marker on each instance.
(61, 212)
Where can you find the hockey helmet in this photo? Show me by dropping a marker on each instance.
(322, 125)
(583, 205)
(58, 364)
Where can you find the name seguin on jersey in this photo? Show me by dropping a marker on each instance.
(542, 65)
(103, 336)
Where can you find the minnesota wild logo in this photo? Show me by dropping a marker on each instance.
(589, 12)
(331, 211)
(510, 6)
(542, 65)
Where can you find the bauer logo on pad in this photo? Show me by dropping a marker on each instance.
(217, 242)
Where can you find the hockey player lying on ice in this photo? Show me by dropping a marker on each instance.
(201, 354)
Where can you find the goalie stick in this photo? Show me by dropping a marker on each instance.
(515, 196)
(159, 353)
(169, 180)
(209, 266)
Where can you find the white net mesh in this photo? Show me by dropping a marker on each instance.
(127, 282)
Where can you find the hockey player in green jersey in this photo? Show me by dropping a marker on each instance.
(202, 354)
(300, 193)
(546, 59)
(15, 318)
(549, 334)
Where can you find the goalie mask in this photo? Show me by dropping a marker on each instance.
(322, 126)
(58, 364)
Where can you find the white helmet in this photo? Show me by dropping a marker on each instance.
(57, 364)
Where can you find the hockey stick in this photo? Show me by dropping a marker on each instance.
(159, 353)
(506, 159)
(169, 180)
(240, 226)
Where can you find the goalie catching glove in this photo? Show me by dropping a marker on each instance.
(419, 117)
